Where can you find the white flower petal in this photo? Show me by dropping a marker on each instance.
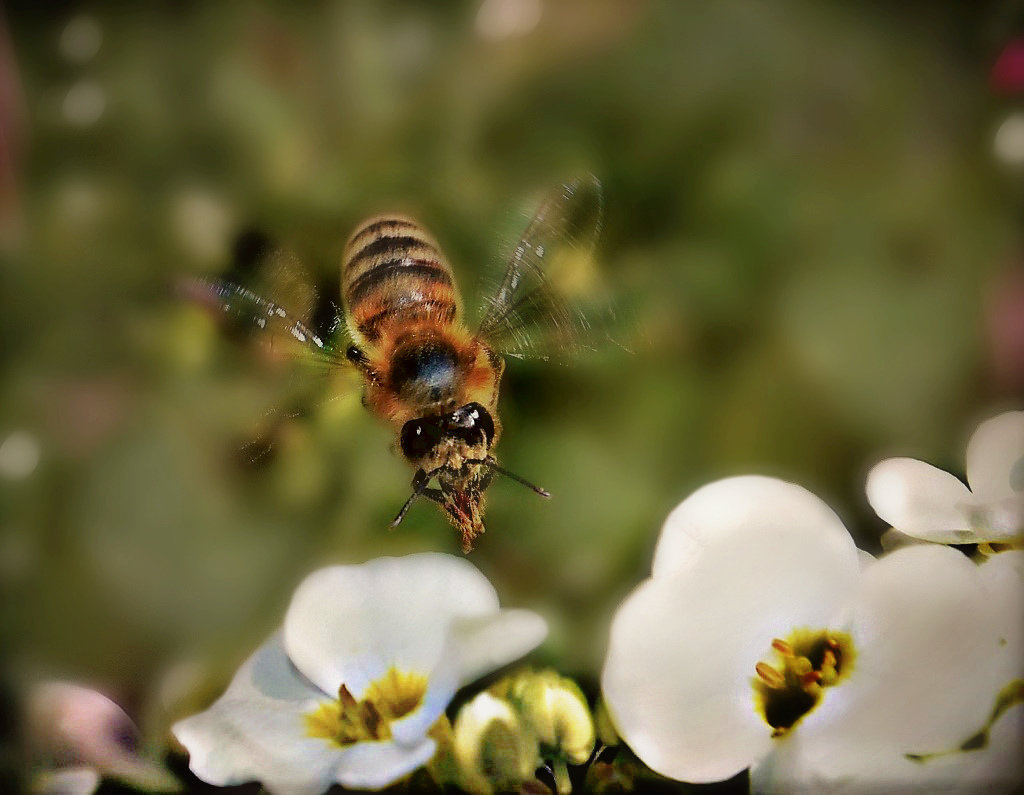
(476, 646)
(376, 765)
(893, 539)
(789, 555)
(926, 638)
(486, 643)
(758, 558)
(924, 678)
(441, 686)
(350, 624)
(1002, 521)
(256, 730)
(755, 512)
(920, 500)
(1003, 577)
(677, 686)
(995, 454)
(999, 767)
(996, 768)
(1004, 567)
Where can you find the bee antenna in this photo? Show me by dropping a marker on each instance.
(502, 471)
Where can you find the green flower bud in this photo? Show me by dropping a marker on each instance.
(558, 713)
(494, 750)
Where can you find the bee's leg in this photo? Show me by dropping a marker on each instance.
(419, 486)
(434, 494)
(499, 368)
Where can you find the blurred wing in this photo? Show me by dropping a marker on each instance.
(259, 315)
(282, 314)
(536, 310)
(293, 326)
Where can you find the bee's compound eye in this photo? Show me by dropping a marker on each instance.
(480, 418)
(417, 439)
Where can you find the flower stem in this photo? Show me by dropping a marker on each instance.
(563, 786)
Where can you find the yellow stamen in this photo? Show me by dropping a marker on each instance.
(782, 647)
(348, 720)
(770, 676)
(805, 664)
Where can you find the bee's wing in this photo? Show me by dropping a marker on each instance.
(536, 310)
(279, 314)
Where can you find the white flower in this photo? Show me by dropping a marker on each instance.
(923, 501)
(759, 640)
(933, 639)
(78, 735)
(369, 658)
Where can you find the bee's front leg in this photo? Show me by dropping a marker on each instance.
(434, 494)
(419, 486)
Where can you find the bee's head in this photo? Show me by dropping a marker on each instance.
(471, 424)
(455, 448)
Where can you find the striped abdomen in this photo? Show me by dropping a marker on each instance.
(392, 272)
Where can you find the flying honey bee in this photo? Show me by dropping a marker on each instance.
(424, 370)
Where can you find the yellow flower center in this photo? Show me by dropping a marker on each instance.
(803, 666)
(347, 720)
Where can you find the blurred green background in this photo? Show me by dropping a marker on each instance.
(806, 228)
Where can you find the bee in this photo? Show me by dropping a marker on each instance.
(424, 370)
